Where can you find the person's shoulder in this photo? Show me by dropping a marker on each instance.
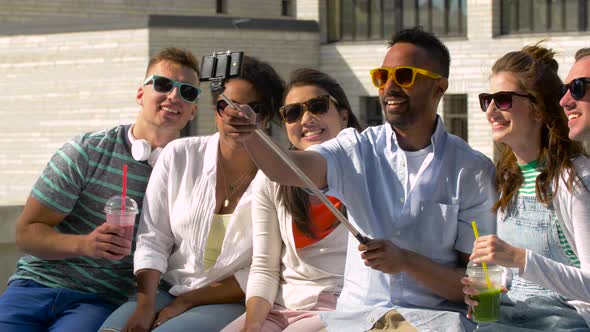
(369, 135)
(582, 165)
(102, 137)
(466, 154)
(188, 146)
(374, 131)
(99, 141)
(190, 142)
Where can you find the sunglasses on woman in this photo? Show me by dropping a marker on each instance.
(577, 88)
(317, 106)
(258, 108)
(502, 99)
(161, 84)
(404, 76)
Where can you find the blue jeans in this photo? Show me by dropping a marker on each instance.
(27, 306)
(536, 313)
(210, 318)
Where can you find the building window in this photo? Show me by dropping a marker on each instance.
(541, 16)
(287, 8)
(378, 19)
(455, 114)
(221, 7)
(371, 113)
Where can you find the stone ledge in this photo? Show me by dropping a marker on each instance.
(8, 216)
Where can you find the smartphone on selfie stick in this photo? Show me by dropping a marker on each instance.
(220, 67)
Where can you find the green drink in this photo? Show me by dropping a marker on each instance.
(489, 289)
(488, 309)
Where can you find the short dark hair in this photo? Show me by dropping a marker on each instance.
(268, 84)
(426, 41)
(583, 52)
(180, 56)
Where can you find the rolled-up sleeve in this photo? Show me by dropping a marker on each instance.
(267, 244)
(340, 161)
(478, 195)
(154, 235)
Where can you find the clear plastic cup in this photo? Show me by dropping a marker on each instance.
(488, 308)
(124, 218)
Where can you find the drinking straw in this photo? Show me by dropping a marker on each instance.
(124, 191)
(483, 264)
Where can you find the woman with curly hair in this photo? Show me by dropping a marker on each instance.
(543, 208)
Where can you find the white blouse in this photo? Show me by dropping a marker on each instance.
(573, 213)
(281, 273)
(177, 213)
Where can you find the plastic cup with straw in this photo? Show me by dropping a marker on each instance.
(483, 264)
(488, 308)
(121, 210)
(124, 188)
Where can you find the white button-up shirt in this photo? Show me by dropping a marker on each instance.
(454, 186)
(176, 219)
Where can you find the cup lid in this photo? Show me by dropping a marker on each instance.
(490, 267)
(114, 204)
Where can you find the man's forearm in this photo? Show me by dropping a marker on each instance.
(41, 240)
(312, 164)
(442, 280)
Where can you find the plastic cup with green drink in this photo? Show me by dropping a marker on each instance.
(489, 291)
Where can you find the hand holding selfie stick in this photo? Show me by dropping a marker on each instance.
(218, 86)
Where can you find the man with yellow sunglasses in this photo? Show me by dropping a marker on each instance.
(409, 186)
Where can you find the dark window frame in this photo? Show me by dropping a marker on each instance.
(451, 113)
(221, 6)
(335, 10)
(287, 8)
(512, 8)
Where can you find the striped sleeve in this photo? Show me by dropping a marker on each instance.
(64, 177)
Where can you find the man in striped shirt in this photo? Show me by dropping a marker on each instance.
(78, 269)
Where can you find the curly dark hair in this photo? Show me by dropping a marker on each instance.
(268, 84)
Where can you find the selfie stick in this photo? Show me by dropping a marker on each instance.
(308, 183)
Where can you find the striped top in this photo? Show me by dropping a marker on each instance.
(77, 182)
(530, 173)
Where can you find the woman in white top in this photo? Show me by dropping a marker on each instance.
(299, 246)
(544, 204)
(195, 227)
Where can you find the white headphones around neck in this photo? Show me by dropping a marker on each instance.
(141, 150)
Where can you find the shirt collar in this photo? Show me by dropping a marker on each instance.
(435, 139)
(210, 162)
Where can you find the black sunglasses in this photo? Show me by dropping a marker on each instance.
(188, 93)
(258, 108)
(577, 88)
(318, 105)
(502, 99)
